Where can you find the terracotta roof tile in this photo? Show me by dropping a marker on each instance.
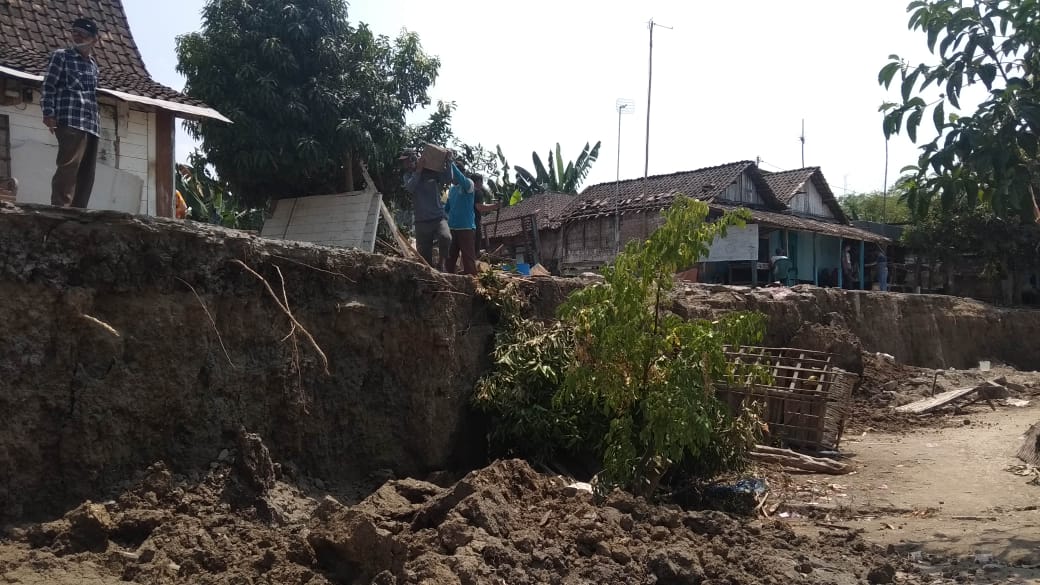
(807, 224)
(785, 184)
(549, 208)
(32, 29)
(704, 184)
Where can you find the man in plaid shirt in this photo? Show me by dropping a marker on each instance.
(70, 110)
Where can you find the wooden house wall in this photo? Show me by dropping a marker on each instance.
(126, 169)
(811, 202)
(742, 191)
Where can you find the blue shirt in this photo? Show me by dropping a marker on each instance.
(461, 205)
(70, 91)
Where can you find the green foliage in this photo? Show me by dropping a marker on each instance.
(503, 189)
(531, 358)
(1002, 246)
(651, 371)
(306, 90)
(876, 207)
(557, 177)
(993, 154)
(210, 200)
(619, 375)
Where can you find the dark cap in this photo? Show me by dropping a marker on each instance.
(86, 25)
(407, 153)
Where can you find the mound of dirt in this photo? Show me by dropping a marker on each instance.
(832, 338)
(502, 524)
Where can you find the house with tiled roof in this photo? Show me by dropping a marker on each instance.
(540, 214)
(793, 211)
(135, 171)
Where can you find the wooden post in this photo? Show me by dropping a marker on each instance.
(841, 262)
(815, 270)
(862, 269)
(165, 135)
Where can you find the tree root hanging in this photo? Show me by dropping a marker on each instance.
(284, 306)
(211, 321)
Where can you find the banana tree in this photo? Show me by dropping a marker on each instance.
(209, 200)
(505, 190)
(556, 176)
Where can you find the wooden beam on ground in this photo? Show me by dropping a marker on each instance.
(797, 461)
(940, 400)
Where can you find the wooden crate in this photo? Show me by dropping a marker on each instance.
(808, 401)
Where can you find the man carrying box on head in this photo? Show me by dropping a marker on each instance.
(430, 220)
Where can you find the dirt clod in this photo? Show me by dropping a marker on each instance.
(882, 575)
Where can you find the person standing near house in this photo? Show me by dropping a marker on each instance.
(461, 210)
(847, 268)
(882, 268)
(481, 194)
(430, 219)
(70, 110)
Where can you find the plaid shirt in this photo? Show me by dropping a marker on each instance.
(70, 91)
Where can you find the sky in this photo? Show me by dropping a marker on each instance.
(731, 80)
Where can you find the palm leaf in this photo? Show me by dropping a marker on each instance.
(585, 164)
(559, 168)
(541, 176)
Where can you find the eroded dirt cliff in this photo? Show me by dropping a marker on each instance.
(923, 330)
(128, 340)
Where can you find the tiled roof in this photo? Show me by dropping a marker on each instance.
(806, 224)
(785, 184)
(549, 208)
(31, 29)
(703, 184)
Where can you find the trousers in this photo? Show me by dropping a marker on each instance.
(74, 176)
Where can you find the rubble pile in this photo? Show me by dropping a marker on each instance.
(505, 523)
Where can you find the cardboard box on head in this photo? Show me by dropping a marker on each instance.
(434, 157)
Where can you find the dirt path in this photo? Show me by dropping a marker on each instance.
(946, 493)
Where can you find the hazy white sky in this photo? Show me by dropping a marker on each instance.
(732, 80)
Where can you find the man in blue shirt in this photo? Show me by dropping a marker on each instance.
(462, 220)
(70, 110)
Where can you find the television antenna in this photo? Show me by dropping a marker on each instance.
(649, 90)
(623, 106)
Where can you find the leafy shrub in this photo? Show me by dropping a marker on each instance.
(619, 374)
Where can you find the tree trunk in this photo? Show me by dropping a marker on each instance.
(348, 171)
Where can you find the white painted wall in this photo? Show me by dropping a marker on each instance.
(125, 175)
(346, 220)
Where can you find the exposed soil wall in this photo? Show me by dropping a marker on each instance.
(109, 361)
(922, 330)
(126, 340)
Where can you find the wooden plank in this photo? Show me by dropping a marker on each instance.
(406, 250)
(938, 401)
